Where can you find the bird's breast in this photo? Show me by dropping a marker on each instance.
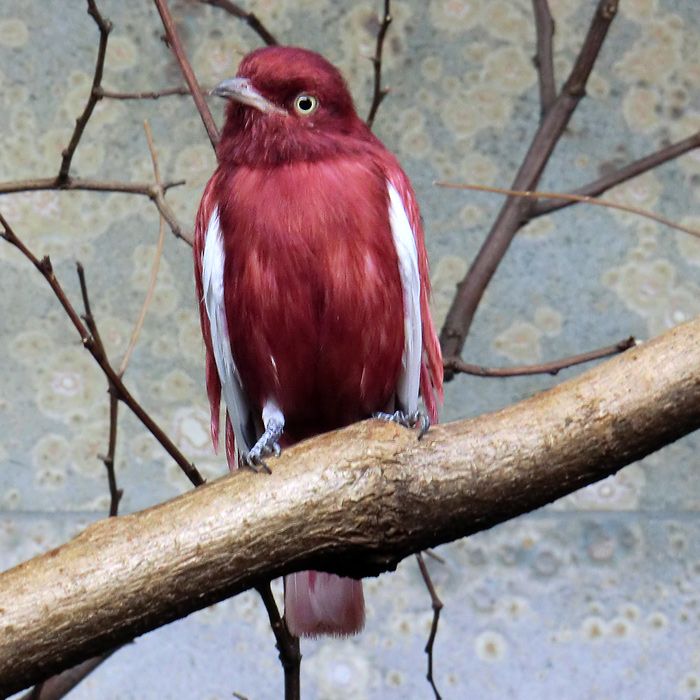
(313, 293)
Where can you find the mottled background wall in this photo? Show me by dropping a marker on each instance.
(596, 596)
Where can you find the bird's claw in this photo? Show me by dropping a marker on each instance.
(254, 459)
(408, 420)
(266, 446)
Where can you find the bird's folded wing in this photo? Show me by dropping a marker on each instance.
(240, 412)
(408, 386)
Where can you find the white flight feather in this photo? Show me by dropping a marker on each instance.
(408, 386)
(237, 404)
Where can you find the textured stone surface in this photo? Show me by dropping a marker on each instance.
(595, 597)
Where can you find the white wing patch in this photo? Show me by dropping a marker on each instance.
(239, 409)
(408, 386)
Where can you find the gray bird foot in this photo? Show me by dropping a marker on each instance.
(408, 420)
(266, 446)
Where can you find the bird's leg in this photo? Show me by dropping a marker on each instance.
(408, 420)
(267, 445)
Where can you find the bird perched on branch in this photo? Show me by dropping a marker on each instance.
(312, 277)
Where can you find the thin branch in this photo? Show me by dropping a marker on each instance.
(435, 556)
(287, 644)
(379, 92)
(233, 534)
(151, 95)
(456, 364)
(38, 184)
(44, 266)
(617, 177)
(570, 198)
(60, 685)
(115, 493)
(179, 51)
(253, 22)
(515, 210)
(544, 59)
(105, 26)
(156, 261)
(437, 607)
(153, 192)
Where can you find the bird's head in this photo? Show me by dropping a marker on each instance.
(286, 104)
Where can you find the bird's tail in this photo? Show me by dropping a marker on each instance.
(317, 603)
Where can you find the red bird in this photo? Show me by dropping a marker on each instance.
(312, 276)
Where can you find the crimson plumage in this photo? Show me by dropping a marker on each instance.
(312, 276)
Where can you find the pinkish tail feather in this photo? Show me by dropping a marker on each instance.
(317, 603)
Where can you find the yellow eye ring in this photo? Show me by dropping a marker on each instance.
(305, 104)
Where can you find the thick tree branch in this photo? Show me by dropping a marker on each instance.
(355, 502)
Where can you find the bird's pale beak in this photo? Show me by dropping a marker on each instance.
(240, 90)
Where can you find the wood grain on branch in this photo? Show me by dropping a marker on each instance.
(355, 502)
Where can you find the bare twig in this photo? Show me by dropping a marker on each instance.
(253, 22)
(150, 95)
(544, 60)
(156, 261)
(105, 27)
(60, 685)
(617, 177)
(181, 56)
(287, 645)
(431, 553)
(115, 493)
(154, 193)
(56, 687)
(39, 184)
(44, 266)
(437, 607)
(515, 210)
(379, 92)
(456, 364)
(571, 198)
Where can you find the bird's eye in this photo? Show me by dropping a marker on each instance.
(305, 104)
